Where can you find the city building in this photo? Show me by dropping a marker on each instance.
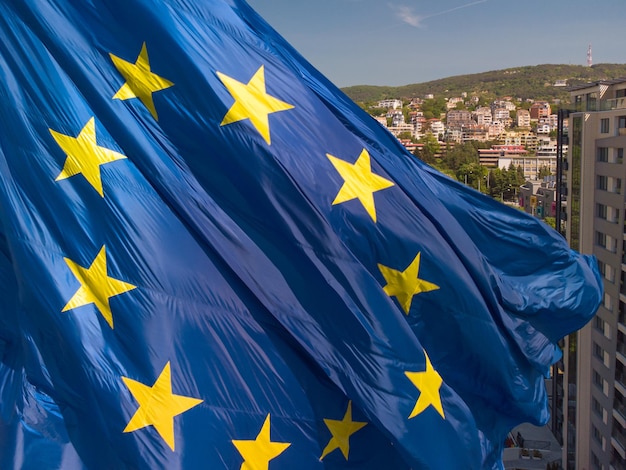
(436, 127)
(396, 116)
(390, 104)
(453, 102)
(402, 128)
(593, 431)
(527, 139)
(482, 116)
(523, 118)
(503, 115)
(501, 156)
(538, 197)
(495, 130)
(457, 118)
(540, 109)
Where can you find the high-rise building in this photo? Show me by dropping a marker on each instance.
(593, 428)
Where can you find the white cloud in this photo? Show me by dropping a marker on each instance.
(407, 15)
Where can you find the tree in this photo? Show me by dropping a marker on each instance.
(406, 135)
(496, 183)
(461, 154)
(430, 148)
(434, 108)
(377, 111)
(543, 171)
(473, 175)
(513, 179)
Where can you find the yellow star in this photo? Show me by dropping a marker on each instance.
(158, 405)
(257, 453)
(428, 383)
(96, 286)
(252, 102)
(341, 431)
(359, 182)
(140, 81)
(405, 284)
(84, 155)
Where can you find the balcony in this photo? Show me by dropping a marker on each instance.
(617, 103)
(601, 105)
(619, 413)
(618, 438)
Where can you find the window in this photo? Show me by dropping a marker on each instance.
(597, 435)
(609, 273)
(611, 244)
(604, 126)
(620, 156)
(598, 323)
(602, 326)
(595, 461)
(597, 407)
(601, 267)
(601, 354)
(602, 182)
(598, 351)
(598, 380)
(603, 154)
(600, 239)
(608, 213)
(592, 101)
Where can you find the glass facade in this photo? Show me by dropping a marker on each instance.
(574, 239)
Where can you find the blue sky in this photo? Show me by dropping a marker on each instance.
(398, 42)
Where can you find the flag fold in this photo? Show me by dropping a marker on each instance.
(211, 257)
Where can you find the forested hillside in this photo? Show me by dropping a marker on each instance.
(528, 82)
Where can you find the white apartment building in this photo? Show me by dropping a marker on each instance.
(401, 128)
(397, 117)
(543, 129)
(452, 102)
(505, 104)
(437, 127)
(501, 114)
(482, 116)
(390, 104)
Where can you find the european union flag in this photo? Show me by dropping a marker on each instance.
(212, 258)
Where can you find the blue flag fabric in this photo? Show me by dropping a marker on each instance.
(212, 258)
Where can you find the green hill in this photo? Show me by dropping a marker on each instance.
(528, 82)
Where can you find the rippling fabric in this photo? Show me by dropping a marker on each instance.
(212, 258)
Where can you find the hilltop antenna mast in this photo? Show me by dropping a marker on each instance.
(589, 59)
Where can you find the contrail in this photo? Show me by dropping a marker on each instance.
(407, 15)
(453, 9)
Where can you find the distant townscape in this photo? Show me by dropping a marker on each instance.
(495, 131)
(492, 146)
